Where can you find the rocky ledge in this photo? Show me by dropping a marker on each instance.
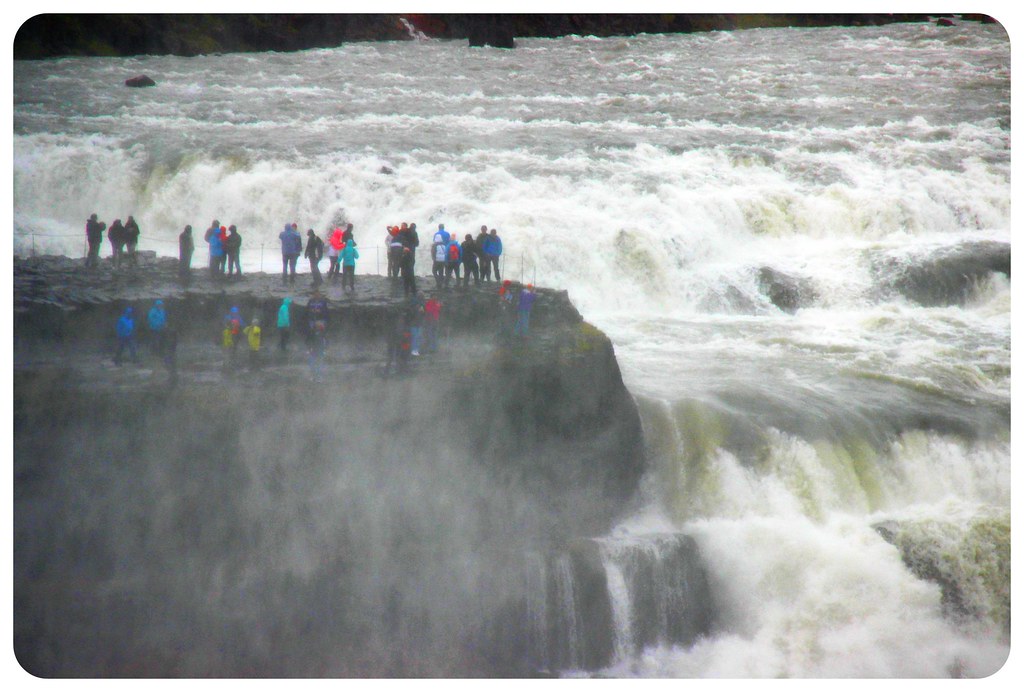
(260, 522)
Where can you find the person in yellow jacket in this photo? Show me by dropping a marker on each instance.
(255, 337)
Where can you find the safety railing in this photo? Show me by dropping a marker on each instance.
(508, 264)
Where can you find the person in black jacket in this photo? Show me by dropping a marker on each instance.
(131, 237)
(470, 253)
(314, 253)
(233, 249)
(116, 236)
(186, 246)
(94, 235)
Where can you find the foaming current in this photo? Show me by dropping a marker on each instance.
(657, 179)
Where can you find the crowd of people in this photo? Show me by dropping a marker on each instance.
(415, 331)
(123, 237)
(416, 328)
(476, 258)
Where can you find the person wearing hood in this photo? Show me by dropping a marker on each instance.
(233, 249)
(126, 336)
(157, 320)
(335, 243)
(284, 323)
(291, 249)
(439, 252)
(115, 234)
(94, 236)
(314, 253)
(186, 246)
(348, 257)
(131, 238)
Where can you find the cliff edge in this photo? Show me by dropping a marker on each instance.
(260, 522)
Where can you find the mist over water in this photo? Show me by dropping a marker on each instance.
(655, 178)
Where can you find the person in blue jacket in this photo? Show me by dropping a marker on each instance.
(126, 336)
(492, 250)
(212, 236)
(291, 249)
(157, 319)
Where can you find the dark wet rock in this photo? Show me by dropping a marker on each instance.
(494, 30)
(367, 526)
(140, 81)
(945, 21)
(950, 276)
(786, 292)
(970, 564)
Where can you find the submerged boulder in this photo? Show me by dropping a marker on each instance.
(140, 81)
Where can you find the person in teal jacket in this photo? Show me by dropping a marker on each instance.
(157, 319)
(349, 255)
(284, 323)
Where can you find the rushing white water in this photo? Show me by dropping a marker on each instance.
(654, 178)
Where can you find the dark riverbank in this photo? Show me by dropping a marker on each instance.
(118, 35)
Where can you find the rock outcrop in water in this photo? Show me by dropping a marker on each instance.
(265, 524)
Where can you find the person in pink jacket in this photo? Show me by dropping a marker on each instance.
(335, 243)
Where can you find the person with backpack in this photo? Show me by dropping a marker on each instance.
(453, 262)
(291, 250)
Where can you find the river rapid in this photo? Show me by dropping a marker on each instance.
(665, 182)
